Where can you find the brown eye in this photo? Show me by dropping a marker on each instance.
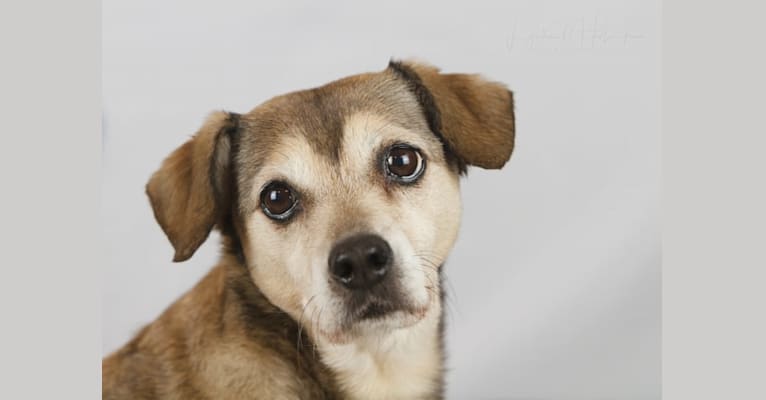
(404, 163)
(278, 201)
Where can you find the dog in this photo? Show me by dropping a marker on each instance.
(337, 207)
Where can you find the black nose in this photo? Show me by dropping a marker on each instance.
(360, 261)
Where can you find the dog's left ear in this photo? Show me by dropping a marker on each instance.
(189, 192)
(472, 117)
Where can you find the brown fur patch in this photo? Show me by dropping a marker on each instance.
(223, 330)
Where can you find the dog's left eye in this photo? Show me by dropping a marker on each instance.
(404, 163)
(278, 200)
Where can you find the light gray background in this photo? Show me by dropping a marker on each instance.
(555, 280)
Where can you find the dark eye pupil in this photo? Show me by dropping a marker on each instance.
(402, 161)
(278, 200)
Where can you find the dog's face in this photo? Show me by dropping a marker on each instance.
(345, 232)
(345, 198)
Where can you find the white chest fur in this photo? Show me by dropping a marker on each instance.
(402, 364)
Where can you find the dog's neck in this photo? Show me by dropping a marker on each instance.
(402, 363)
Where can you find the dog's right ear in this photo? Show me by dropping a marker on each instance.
(189, 191)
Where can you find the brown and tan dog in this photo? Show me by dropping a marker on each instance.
(337, 207)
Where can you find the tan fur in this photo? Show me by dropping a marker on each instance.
(265, 323)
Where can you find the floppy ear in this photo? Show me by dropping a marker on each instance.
(189, 190)
(472, 117)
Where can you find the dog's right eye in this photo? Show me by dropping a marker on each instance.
(278, 201)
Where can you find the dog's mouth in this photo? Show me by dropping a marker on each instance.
(376, 310)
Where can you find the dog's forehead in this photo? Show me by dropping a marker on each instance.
(319, 114)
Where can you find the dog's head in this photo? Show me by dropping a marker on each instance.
(344, 198)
